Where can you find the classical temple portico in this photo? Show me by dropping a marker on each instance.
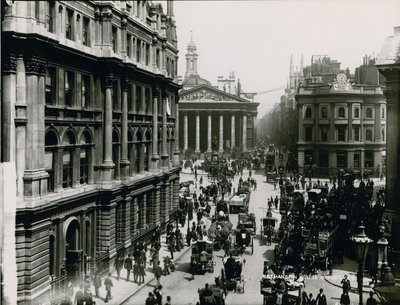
(210, 117)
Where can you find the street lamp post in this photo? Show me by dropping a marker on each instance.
(361, 242)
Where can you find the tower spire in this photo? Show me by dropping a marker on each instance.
(291, 72)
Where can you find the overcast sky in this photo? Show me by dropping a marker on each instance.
(256, 38)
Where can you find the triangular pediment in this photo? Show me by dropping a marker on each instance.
(205, 93)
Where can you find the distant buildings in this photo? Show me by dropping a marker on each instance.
(216, 118)
(89, 106)
(341, 126)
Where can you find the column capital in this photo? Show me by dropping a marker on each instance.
(156, 92)
(9, 64)
(35, 66)
(108, 81)
(124, 85)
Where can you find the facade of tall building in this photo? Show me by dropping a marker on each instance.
(88, 118)
(388, 64)
(225, 113)
(341, 126)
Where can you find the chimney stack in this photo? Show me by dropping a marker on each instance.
(170, 8)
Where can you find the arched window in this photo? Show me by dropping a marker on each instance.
(50, 143)
(116, 153)
(84, 160)
(67, 159)
(308, 113)
(341, 112)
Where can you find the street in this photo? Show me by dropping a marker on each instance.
(183, 290)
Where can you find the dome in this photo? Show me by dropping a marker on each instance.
(195, 80)
(191, 45)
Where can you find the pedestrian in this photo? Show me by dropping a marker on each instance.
(321, 298)
(119, 262)
(345, 284)
(311, 300)
(345, 299)
(141, 273)
(128, 266)
(108, 283)
(275, 185)
(97, 284)
(168, 300)
(135, 271)
(79, 296)
(151, 300)
(201, 180)
(167, 263)
(143, 256)
(157, 272)
(371, 300)
(89, 297)
(158, 294)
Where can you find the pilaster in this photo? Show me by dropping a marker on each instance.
(155, 157)
(244, 137)
(209, 132)
(197, 149)
(124, 162)
(221, 132)
(176, 136)
(164, 154)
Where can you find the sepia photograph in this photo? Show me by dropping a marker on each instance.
(200, 152)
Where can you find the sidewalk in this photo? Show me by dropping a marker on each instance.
(338, 274)
(123, 290)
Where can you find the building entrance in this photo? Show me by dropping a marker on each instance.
(73, 251)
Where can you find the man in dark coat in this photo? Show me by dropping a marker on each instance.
(321, 298)
(79, 296)
(108, 283)
(128, 266)
(345, 299)
(119, 263)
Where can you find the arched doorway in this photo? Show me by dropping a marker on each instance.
(73, 249)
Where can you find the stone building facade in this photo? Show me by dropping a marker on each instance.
(341, 126)
(216, 118)
(89, 114)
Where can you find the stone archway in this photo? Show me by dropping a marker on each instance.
(73, 248)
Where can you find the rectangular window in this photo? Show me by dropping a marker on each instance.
(341, 159)
(50, 16)
(324, 112)
(369, 158)
(341, 134)
(67, 169)
(368, 134)
(85, 91)
(85, 32)
(138, 50)
(356, 113)
(114, 39)
(84, 167)
(69, 88)
(50, 86)
(308, 131)
(68, 24)
(356, 134)
(138, 98)
(147, 97)
(48, 162)
(383, 113)
(357, 160)
(368, 113)
(158, 58)
(128, 45)
(167, 66)
(147, 54)
(324, 134)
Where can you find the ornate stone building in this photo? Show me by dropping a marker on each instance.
(88, 118)
(214, 118)
(341, 126)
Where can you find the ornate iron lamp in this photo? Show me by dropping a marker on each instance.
(361, 243)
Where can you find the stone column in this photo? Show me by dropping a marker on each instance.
(362, 157)
(221, 132)
(301, 127)
(244, 137)
(197, 149)
(209, 132)
(185, 131)
(332, 123)
(176, 135)
(233, 125)
(108, 164)
(124, 162)
(127, 221)
(164, 154)
(155, 157)
(350, 159)
(300, 160)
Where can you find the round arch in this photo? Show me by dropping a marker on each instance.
(71, 223)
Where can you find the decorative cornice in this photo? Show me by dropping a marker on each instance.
(34, 66)
(9, 64)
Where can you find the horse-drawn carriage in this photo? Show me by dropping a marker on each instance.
(248, 222)
(201, 260)
(239, 203)
(232, 274)
(268, 227)
(243, 240)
